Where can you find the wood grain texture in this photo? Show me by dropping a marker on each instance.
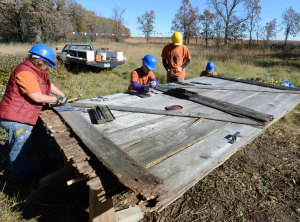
(213, 151)
(111, 156)
(158, 148)
(224, 106)
(255, 83)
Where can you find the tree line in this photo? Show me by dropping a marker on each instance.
(227, 21)
(52, 20)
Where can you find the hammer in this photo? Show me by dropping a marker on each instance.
(74, 99)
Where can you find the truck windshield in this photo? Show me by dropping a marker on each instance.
(80, 47)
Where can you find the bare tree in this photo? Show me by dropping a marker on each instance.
(118, 14)
(185, 20)
(270, 31)
(225, 9)
(236, 29)
(253, 16)
(207, 20)
(290, 23)
(218, 30)
(259, 30)
(146, 21)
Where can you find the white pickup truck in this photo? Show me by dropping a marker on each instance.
(84, 54)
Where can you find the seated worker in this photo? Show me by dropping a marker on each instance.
(209, 69)
(141, 77)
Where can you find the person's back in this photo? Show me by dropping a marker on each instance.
(209, 69)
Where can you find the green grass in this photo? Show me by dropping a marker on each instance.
(248, 64)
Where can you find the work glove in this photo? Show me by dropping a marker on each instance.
(61, 100)
(153, 84)
(146, 88)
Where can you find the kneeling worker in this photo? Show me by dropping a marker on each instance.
(141, 77)
(209, 69)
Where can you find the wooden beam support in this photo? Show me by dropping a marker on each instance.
(217, 104)
(255, 83)
(119, 163)
(100, 211)
(217, 117)
(211, 87)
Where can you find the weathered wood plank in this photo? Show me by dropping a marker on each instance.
(211, 153)
(255, 83)
(158, 148)
(112, 157)
(132, 119)
(128, 136)
(216, 117)
(224, 106)
(237, 89)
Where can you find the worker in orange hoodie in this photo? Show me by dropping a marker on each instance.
(27, 91)
(175, 58)
(142, 79)
(209, 69)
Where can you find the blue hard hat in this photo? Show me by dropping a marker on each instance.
(150, 61)
(210, 66)
(287, 83)
(45, 53)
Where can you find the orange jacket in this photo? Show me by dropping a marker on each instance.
(205, 73)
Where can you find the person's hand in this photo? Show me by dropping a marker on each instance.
(153, 84)
(146, 88)
(61, 100)
(179, 69)
(171, 72)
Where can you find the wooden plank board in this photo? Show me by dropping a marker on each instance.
(237, 89)
(211, 153)
(128, 136)
(224, 106)
(112, 157)
(158, 148)
(255, 83)
(216, 117)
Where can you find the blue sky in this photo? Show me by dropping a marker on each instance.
(165, 11)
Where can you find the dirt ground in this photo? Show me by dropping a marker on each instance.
(258, 183)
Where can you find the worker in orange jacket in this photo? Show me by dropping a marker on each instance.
(209, 69)
(27, 91)
(142, 79)
(175, 58)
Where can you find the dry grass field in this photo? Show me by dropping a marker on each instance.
(259, 183)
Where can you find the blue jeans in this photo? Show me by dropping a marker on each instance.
(20, 143)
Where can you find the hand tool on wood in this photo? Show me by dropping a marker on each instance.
(232, 137)
(102, 114)
(99, 98)
(63, 108)
(174, 107)
(74, 99)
